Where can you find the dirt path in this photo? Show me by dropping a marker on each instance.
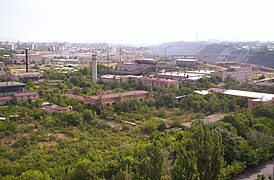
(251, 174)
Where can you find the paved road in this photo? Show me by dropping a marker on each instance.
(251, 174)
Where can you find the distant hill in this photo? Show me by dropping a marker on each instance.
(177, 48)
(215, 52)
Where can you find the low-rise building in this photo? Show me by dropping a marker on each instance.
(157, 83)
(56, 108)
(242, 73)
(21, 97)
(188, 62)
(113, 98)
(263, 85)
(254, 98)
(26, 96)
(180, 76)
(11, 87)
(25, 76)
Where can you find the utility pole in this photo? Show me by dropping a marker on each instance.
(27, 60)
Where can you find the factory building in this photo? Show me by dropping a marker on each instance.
(242, 73)
(254, 98)
(113, 98)
(20, 97)
(158, 83)
(187, 62)
(11, 87)
(34, 76)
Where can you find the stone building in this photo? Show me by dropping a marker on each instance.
(242, 73)
(113, 98)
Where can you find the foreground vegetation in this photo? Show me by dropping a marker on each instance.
(87, 143)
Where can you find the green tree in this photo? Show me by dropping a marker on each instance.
(185, 165)
(208, 147)
(84, 170)
(230, 82)
(34, 175)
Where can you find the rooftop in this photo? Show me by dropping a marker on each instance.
(201, 71)
(27, 74)
(158, 79)
(26, 94)
(11, 83)
(202, 92)
(115, 95)
(249, 94)
(187, 60)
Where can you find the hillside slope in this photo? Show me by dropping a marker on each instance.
(215, 52)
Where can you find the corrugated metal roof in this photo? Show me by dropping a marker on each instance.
(250, 94)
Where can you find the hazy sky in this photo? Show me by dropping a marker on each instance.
(136, 21)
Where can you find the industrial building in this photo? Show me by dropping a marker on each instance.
(242, 73)
(187, 62)
(254, 98)
(138, 67)
(11, 87)
(34, 76)
(113, 98)
(21, 97)
(157, 83)
(180, 76)
(32, 58)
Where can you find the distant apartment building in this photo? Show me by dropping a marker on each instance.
(34, 76)
(7, 46)
(33, 58)
(11, 87)
(113, 98)
(21, 97)
(22, 46)
(242, 73)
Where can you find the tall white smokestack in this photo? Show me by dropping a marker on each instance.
(94, 68)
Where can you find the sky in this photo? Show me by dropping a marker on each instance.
(136, 21)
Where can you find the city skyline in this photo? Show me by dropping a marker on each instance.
(135, 22)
